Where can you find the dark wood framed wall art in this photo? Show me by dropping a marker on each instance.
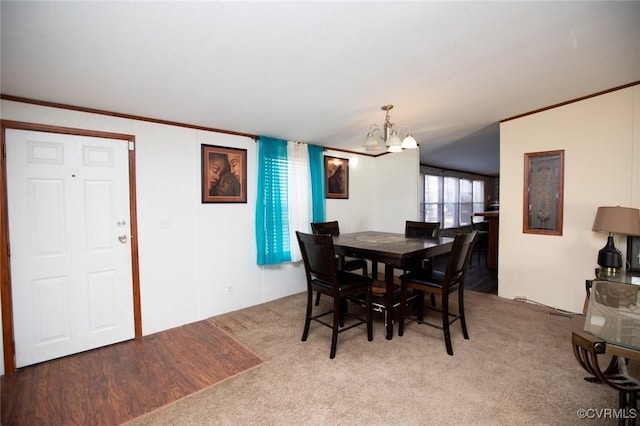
(336, 174)
(224, 174)
(633, 253)
(543, 192)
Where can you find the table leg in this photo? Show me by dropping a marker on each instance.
(388, 296)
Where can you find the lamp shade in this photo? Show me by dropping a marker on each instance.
(394, 144)
(371, 142)
(617, 220)
(409, 142)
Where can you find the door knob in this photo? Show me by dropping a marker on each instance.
(122, 238)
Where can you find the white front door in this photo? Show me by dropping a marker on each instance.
(70, 253)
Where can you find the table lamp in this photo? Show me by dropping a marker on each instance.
(615, 220)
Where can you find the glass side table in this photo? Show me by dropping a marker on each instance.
(626, 277)
(609, 339)
(613, 313)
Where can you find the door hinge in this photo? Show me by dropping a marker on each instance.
(131, 146)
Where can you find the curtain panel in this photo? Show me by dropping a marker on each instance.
(290, 195)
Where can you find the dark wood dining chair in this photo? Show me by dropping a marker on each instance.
(441, 284)
(323, 276)
(414, 229)
(481, 246)
(344, 263)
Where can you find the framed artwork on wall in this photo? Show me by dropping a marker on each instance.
(224, 174)
(633, 253)
(543, 192)
(336, 175)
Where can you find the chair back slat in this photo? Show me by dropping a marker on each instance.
(421, 229)
(330, 228)
(318, 255)
(460, 258)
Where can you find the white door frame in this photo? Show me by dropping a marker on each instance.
(5, 272)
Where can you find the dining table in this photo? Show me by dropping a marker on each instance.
(393, 250)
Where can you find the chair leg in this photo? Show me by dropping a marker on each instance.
(463, 321)
(307, 320)
(369, 316)
(420, 312)
(445, 323)
(401, 313)
(318, 299)
(417, 308)
(343, 310)
(337, 317)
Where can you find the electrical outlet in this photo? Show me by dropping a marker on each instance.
(165, 223)
(229, 290)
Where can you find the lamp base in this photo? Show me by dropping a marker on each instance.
(609, 257)
(608, 271)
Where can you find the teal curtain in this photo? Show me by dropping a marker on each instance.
(272, 224)
(316, 168)
(273, 238)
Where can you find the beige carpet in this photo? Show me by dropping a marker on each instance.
(517, 368)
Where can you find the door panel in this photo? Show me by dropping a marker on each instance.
(71, 274)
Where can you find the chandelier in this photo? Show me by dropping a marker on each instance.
(389, 135)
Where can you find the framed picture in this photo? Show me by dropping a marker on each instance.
(224, 174)
(543, 192)
(336, 175)
(633, 253)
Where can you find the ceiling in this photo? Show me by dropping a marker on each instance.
(320, 71)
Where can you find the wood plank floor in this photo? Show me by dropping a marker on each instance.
(111, 385)
(479, 277)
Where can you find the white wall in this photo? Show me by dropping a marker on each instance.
(185, 269)
(398, 179)
(602, 166)
(383, 192)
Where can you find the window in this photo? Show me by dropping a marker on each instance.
(452, 200)
(432, 198)
(478, 199)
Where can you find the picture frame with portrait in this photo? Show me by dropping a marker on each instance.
(224, 174)
(633, 253)
(336, 175)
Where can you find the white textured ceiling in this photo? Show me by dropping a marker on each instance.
(319, 72)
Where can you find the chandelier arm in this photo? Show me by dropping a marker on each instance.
(404, 127)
